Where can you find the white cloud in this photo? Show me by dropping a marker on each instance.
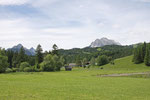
(21, 31)
(13, 27)
(74, 23)
(13, 2)
(42, 3)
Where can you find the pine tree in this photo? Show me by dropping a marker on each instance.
(134, 55)
(147, 55)
(21, 55)
(55, 50)
(143, 51)
(39, 55)
(138, 55)
(18, 58)
(14, 60)
(10, 57)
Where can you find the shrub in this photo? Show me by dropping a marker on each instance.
(24, 65)
(28, 69)
(52, 63)
(15, 69)
(47, 66)
(8, 70)
(38, 70)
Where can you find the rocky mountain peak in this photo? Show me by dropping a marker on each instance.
(102, 42)
(17, 48)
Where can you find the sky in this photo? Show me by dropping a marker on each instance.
(73, 23)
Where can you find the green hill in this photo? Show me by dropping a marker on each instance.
(126, 64)
(122, 65)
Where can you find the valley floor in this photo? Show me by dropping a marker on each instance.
(79, 84)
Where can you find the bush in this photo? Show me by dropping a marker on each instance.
(15, 69)
(24, 65)
(28, 69)
(38, 70)
(52, 63)
(9, 70)
(102, 60)
(47, 66)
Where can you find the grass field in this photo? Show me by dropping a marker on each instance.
(79, 84)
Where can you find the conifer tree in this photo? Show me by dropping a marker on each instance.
(10, 57)
(138, 52)
(21, 55)
(39, 55)
(147, 55)
(143, 51)
(55, 50)
(14, 60)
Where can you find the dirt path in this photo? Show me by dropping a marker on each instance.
(124, 74)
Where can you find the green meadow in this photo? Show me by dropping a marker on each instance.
(78, 84)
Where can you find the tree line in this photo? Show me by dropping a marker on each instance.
(142, 54)
(11, 61)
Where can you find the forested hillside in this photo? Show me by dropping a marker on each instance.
(112, 51)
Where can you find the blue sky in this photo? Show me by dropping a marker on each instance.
(73, 23)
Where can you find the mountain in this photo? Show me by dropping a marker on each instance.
(17, 48)
(32, 50)
(103, 42)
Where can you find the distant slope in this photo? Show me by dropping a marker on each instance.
(103, 42)
(126, 64)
